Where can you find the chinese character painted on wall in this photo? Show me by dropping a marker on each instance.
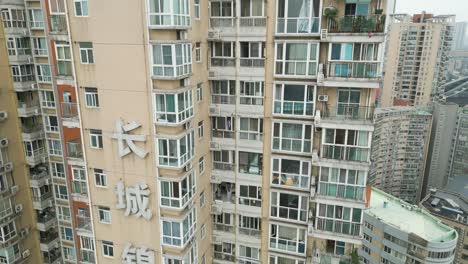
(134, 200)
(134, 255)
(125, 140)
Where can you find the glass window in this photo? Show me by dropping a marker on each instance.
(91, 97)
(86, 53)
(174, 108)
(296, 59)
(176, 152)
(294, 99)
(81, 8)
(167, 13)
(108, 249)
(292, 137)
(172, 60)
(298, 17)
(287, 238)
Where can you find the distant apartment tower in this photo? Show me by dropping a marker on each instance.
(416, 58)
(459, 155)
(452, 209)
(399, 150)
(398, 232)
(459, 36)
(19, 240)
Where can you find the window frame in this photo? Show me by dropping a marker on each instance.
(95, 139)
(80, 3)
(281, 61)
(91, 97)
(107, 249)
(86, 53)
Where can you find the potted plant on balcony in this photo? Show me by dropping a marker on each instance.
(330, 13)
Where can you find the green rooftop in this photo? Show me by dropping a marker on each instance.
(408, 218)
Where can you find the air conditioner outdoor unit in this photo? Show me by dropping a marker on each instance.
(188, 125)
(323, 34)
(18, 208)
(3, 115)
(26, 253)
(24, 232)
(214, 145)
(14, 189)
(323, 98)
(34, 86)
(182, 34)
(3, 142)
(188, 167)
(215, 110)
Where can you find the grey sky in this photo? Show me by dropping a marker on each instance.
(437, 7)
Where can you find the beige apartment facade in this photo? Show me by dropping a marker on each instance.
(416, 58)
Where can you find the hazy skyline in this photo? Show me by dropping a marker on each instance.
(437, 7)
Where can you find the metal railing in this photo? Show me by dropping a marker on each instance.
(353, 69)
(356, 24)
(252, 22)
(36, 24)
(222, 133)
(42, 198)
(224, 256)
(222, 99)
(252, 62)
(69, 110)
(222, 22)
(349, 112)
(223, 166)
(293, 107)
(342, 191)
(223, 62)
(44, 218)
(340, 227)
(298, 25)
(47, 237)
(74, 149)
(223, 227)
(346, 153)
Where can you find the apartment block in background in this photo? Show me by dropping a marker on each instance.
(416, 58)
(398, 232)
(19, 240)
(41, 63)
(452, 209)
(399, 150)
(459, 37)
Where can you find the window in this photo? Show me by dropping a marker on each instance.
(86, 53)
(251, 93)
(223, 91)
(282, 260)
(361, 9)
(222, 14)
(344, 183)
(47, 99)
(203, 231)
(199, 92)
(91, 97)
(55, 147)
(63, 213)
(250, 195)
(223, 126)
(104, 215)
(81, 8)
(51, 123)
(250, 226)
(100, 177)
(198, 52)
(348, 104)
(174, 108)
(203, 259)
(249, 255)
(22, 73)
(87, 249)
(69, 253)
(177, 233)
(196, 9)
(202, 199)
(43, 73)
(64, 65)
(5, 208)
(223, 52)
(176, 152)
(298, 17)
(66, 233)
(61, 192)
(291, 173)
(292, 137)
(200, 129)
(95, 138)
(339, 219)
(341, 144)
(40, 47)
(252, 54)
(289, 206)
(108, 249)
(250, 163)
(15, 18)
(7, 232)
(251, 128)
(36, 19)
(177, 194)
(225, 251)
(172, 60)
(201, 165)
(223, 160)
(18, 46)
(34, 148)
(354, 60)
(164, 13)
(79, 180)
(294, 99)
(287, 238)
(296, 59)
(57, 169)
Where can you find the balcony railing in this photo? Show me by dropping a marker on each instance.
(222, 99)
(74, 149)
(249, 232)
(47, 237)
(342, 191)
(46, 217)
(223, 62)
(294, 108)
(252, 22)
(340, 69)
(84, 222)
(252, 62)
(348, 153)
(340, 227)
(43, 197)
(58, 24)
(222, 22)
(224, 256)
(69, 110)
(297, 25)
(23, 78)
(40, 52)
(349, 112)
(87, 256)
(31, 128)
(357, 24)
(223, 227)
(223, 166)
(36, 24)
(222, 133)
(256, 136)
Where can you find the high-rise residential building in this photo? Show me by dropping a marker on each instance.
(203, 132)
(452, 209)
(459, 155)
(19, 240)
(398, 232)
(416, 58)
(459, 36)
(399, 150)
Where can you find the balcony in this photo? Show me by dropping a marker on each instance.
(252, 22)
(31, 131)
(38, 176)
(49, 240)
(58, 24)
(345, 153)
(342, 191)
(43, 202)
(27, 109)
(333, 228)
(171, 61)
(52, 257)
(87, 257)
(356, 70)
(330, 258)
(83, 225)
(169, 15)
(74, 150)
(357, 24)
(224, 257)
(349, 114)
(35, 156)
(69, 110)
(222, 22)
(46, 220)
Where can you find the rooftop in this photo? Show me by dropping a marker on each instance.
(408, 218)
(447, 204)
